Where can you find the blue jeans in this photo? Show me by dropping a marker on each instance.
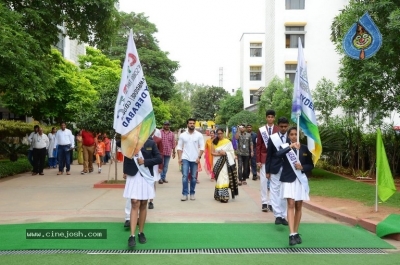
(52, 161)
(253, 165)
(30, 157)
(64, 157)
(186, 165)
(165, 168)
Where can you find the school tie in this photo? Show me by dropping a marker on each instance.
(269, 130)
(282, 135)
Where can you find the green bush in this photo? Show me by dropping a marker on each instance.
(8, 168)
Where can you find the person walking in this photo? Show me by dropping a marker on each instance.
(30, 140)
(65, 143)
(168, 139)
(88, 146)
(294, 187)
(253, 162)
(244, 153)
(107, 143)
(273, 170)
(79, 148)
(100, 152)
(224, 168)
(190, 149)
(263, 135)
(208, 157)
(52, 150)
(157, 169)
(40, 145)
(139, 187)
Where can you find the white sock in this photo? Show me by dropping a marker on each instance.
(292, 234)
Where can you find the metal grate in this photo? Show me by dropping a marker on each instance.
(206, 251)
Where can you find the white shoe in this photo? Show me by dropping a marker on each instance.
(184, 198)
(192, 197)
(99, 170)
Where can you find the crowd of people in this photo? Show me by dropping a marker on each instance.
(59, 146)
(270, 155)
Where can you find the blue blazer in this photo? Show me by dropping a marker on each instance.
(151, 157)
(273, 162)
(305, 158)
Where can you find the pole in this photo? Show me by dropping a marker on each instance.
(298, 133)
(376, 191)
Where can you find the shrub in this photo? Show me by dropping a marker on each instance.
(8, 168)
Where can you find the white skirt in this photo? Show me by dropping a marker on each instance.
(293, 190)
(136, 187)
(155, 173)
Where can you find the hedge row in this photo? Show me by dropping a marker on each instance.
(10, 128)
(8, 168)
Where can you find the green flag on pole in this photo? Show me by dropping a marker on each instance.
(386, 187)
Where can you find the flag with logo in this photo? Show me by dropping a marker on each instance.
(303, 107)
(133, 115)
(385, 182)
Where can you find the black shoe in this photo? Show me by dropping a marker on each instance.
(298, 238)
(142, 238)
(127, 223)
(254, 177)
(292, 240)
(278, 220)
(284, 222)
(151, 205)
(160, 181)
(265, 208)
(270, 208)
(131, 242)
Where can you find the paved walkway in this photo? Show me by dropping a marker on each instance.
(72, 198)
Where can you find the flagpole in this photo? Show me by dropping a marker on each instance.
(298, 133)
(376, 190)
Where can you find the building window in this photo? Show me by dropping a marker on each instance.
(295, 4)
(255, 49)
(292, 36)
(290, 71)
(254, 97)
(255, 73)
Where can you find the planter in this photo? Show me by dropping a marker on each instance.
(104, 185)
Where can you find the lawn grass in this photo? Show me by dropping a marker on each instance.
(327, 184)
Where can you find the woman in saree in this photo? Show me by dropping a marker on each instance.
(208, 157)
(224, 169)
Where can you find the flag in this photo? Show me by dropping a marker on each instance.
(133, 115)
(304, 108)
(386, 187)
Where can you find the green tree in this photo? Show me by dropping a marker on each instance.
(275, 96)
(205, 102)
(244, 117)
(158, 68)
(229, 106)
(186, 89)
(161, 111)
(371, 84)
(325, 98)
(30, 28)
(71, 93)
(180, 110)
(104, 75)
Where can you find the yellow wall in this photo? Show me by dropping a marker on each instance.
(210, 124)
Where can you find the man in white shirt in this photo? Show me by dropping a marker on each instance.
(40, 143)
(30, 152)
(190, 149)
(65, 142)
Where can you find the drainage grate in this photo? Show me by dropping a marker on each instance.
(206, 251)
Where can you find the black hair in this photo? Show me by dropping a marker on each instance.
(36, 126)
(52, 128)
(249, 125)
(283, 120)
(216, 139)
(291, 129)
(63, 122)
(270, 112)
(190, 119)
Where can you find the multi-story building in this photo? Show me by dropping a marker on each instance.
(252, 66)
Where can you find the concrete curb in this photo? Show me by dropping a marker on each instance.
(342, 217)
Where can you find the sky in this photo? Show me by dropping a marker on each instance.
(202, 35)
